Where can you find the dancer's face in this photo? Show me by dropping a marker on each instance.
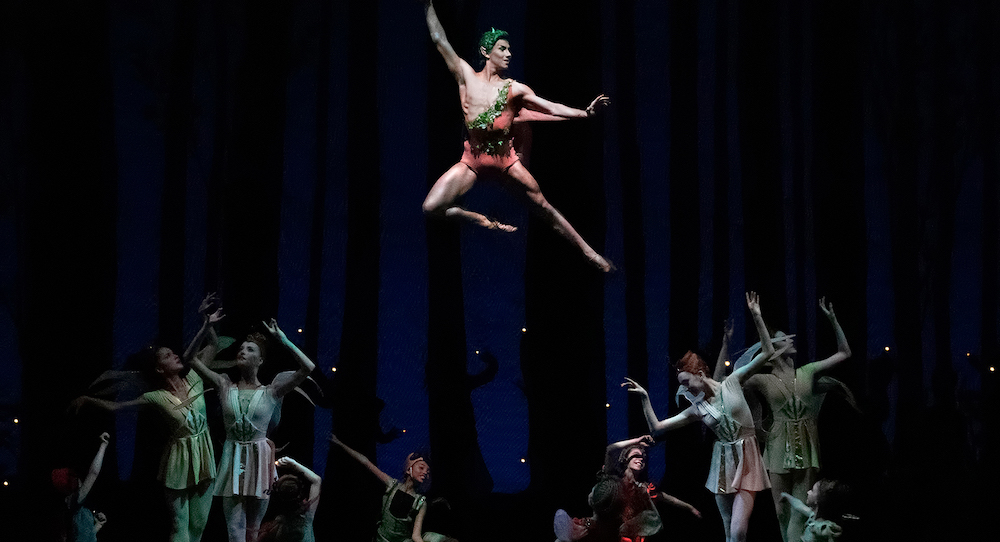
(419, 471)
(780, 343)
(167, 362)
(694, 382)
(500, 54)
(249, 355)
(811, 495)
(636, 461)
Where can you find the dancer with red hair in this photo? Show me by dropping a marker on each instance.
(737, 471)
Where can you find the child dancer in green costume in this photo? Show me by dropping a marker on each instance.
(403, 509)
(825, 505)
(294, 499)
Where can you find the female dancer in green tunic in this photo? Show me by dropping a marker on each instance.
(791, 453)
(187, 466)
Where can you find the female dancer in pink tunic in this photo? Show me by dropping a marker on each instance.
(737, 471)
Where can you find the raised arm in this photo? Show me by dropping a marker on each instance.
(766, 348)
(198, 362)
(720, 364)
(205, 310)
(360, 458)
(674, 501)
(535, 102)
(656, 426)
(95, 469)
(458, 67)
(306, 365)
(315, 482)
(843, 349)
(103, 404)
(615, 448)
(797, 504)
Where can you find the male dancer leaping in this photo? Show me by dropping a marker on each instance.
(490, 103)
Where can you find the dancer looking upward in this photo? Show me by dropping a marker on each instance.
(246, 470)
(791, 453)
(490, 102)
(737, 470)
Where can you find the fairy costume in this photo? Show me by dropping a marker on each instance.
(399, 512)
(189, 458)
(793, 440)
(489, 147)
(247, 464)
(736, 461)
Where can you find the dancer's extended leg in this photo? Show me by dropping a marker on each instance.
(526, 186)
(236, 518)
(440, 201)
(782, 482)
(742, 507)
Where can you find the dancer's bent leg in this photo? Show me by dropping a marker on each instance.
(440, 201)
(742, 507)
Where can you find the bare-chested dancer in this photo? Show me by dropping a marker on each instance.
(490, 103)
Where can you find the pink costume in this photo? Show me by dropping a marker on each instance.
(489, 148)
(247, 465)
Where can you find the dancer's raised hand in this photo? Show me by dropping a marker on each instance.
(634, 387)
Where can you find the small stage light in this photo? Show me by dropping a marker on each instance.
(404, 430)
(477, 352)
(992, 369)
(522, 461)
(886, 348)
(16, 420)
(6, 483)
(300, 330)
(524, 330)
(334, 369)
(727, 363)
(607, 405)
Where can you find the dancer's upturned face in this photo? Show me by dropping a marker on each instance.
(500, 54)
(636, 461)
(167, 362)
(249, 355)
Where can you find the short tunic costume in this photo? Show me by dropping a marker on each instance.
(247, 464)
(793, 441)
(736, 460)
(392, 528)
(189, 458)
(489, 148)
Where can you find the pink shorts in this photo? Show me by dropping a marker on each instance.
(488, 163)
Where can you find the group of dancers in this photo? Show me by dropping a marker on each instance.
(622, 499)
(246, 475)
(808, 509)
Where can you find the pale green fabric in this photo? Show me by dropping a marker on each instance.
(189, 458)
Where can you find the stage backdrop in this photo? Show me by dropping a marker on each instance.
(278, 153)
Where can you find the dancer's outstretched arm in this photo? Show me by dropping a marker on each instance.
(766, 348)
(206, 329)
(615, 448)
(306, 365)
(657, 426)
(458, 67)
(535, 102)
(797, 504)
(679, 503)
(95, 470)
(314, 481)
(360, 458)
(720, 364)
(843, 349)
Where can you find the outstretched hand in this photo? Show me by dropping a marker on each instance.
(105, 438)
(216, 316)
(646, 441)
(599, 103)
(286, 462)
(727, 330)
(634, 387)
(334, 440)
(274, 330)
(827, 308)
(753, 303)
(206, 304)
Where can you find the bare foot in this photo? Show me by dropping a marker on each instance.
(497, 225)
(602, 263)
